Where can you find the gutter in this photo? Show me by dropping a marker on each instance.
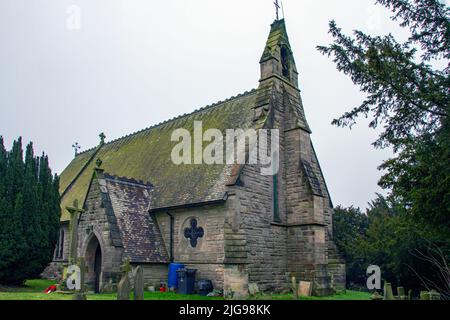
(190, 205)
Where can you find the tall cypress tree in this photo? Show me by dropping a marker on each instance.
(32, 226)
(3, 204)
(29, 213)
(14, 241)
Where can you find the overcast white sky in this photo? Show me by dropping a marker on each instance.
(135, 63)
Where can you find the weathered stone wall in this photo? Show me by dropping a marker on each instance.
(336, 267)
(307, 246)
(265, 236)
(208, 256)
(154, 274)
(54, 270)
(265, 239)
(236, 281)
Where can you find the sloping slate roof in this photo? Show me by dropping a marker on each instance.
(141, 237)
(146, 155)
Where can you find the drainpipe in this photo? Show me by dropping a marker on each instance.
(172, 220)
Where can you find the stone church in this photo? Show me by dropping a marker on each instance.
(232, 224)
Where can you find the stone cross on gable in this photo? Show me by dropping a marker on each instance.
(102, 138)
(76, 146)
(75, 212)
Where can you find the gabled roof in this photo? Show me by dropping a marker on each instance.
(146, 155)
(139, 233)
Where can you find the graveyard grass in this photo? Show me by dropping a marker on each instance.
(33, 290)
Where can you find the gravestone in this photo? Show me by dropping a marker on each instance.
(294, 287)
(253, 289)
(401, 293)
(138, 288)
(424, 295)
(434, 295)
(80, 293)
(305, 289)
(108, 287)
(124, 286)
(388, 294)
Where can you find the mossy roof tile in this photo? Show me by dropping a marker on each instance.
(146, 155)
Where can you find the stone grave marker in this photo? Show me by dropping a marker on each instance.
(424, 295)
(401, 293)
(124, 286)
(305, 289)
(138, 288)
(253, 289)
(388, 294)
(80, 293)
(434, 295)
(294, 285)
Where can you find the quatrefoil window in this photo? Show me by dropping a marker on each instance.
(194, 233)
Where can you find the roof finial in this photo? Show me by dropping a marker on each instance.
(277, 8)
(77, 148)
(102, 138)
(98, 163)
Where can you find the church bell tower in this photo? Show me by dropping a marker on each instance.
(277, 60)
(303, 200)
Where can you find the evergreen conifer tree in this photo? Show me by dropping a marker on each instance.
(29, 213)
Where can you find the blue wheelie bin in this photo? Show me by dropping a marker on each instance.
(173, 276)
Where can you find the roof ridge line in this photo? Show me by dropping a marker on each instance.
(210, 106)
(127, 180)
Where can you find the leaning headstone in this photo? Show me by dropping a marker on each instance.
(305, 289)
(294, 287)
(434, 295)
(388, 294)
(138, 288)
(124, 286)
(253, 289)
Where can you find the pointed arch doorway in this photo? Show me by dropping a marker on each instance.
(94, 264)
